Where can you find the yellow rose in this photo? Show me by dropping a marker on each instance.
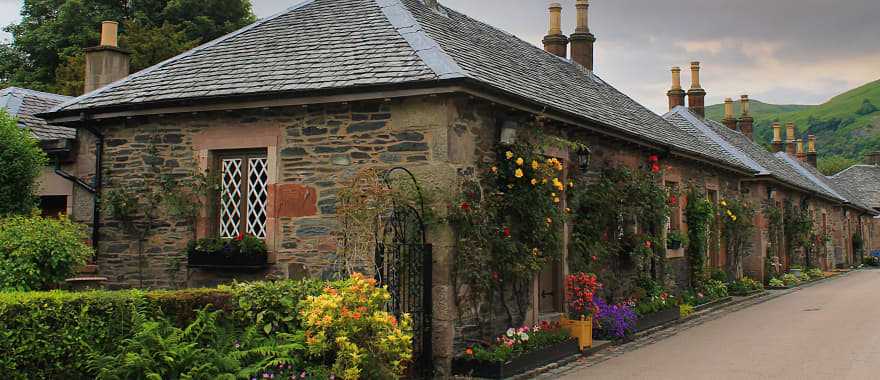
(549, 221)
(568, 210)
(519, 161)
(518, 173)
(535, 165)
(534, 182)
(494, 169)
(509, 155)
(555, 200)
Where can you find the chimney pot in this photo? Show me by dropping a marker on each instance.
(744, 101)
(812, 156)
(696, 94)
(777, 137)
(873, 158)
(582, 40)
(729, 121)
(789, 139)
(800, 146)
(746, 121)
(555, 42)
(675, 94)
(109, 33)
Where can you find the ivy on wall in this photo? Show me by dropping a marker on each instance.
(619, 217)
(699, 214)
(799, 230)
(737, 226)
(508, 226)
(773, 265)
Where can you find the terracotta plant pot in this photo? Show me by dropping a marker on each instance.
(581, 329)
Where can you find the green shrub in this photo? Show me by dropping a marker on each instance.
(45, 334)
(744, 285)
(37, 252)
(804, 277)
(815, 273)
(790, 279)
(714, 289)
(271, 306)
(776, 283)
(22, 161)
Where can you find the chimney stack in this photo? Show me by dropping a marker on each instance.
(799, 151)
(789, 139)
(696, 94)
(106, 63)
(582, 40)
(746, 121)
(555, 42)
(729, 121)
(777, 138)
(873, 158)
(812, 156)
(675, 94)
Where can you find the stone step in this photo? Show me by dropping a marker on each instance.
(88, 269)
(85, 283)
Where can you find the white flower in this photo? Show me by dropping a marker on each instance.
(524, 337)
(511, 332)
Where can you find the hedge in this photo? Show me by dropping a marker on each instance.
(49, 334)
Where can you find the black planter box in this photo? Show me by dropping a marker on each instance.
(228, 261)
(714, 303)
(652, 320)
(523, 363)
(673, 244)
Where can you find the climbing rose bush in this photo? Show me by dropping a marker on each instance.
(348, 326)
(37, 252)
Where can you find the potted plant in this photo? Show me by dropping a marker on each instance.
(675, 239)
(580, 290)
(241, 252)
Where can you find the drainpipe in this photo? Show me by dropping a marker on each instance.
(94, 189)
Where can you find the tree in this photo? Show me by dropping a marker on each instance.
(21, 160)
(867, 108)
(832, 165)
(52, 33)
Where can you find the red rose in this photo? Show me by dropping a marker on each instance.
(240, 237)
(673, 200)
(465, 206)
(655, 168)
(648, 244)
(653, 158)
(506, 232)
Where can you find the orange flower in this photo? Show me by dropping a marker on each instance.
(356, 315)
(469, 351)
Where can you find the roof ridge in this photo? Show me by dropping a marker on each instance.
(718, 139)
(181, 56)
(27, 91)
(807, 173)
(428, 50)
(853, 166)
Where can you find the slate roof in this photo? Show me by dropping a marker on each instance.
(863, 181)
(824, 181)
(345, 44)
(25, 104)
(750, 153)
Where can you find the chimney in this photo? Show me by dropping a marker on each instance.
(675, 94)
(812, 156)
(799, 152)
(746, 121)
(582, 40)
(789, 139)
(777, 138)
(729, 121)
(873, 158)
(696, 95)
(555, 42)
(106, 63)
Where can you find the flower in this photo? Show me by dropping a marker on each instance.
(511, 332)
(648, 244)
(494, 169)
(524, 337)
(655, 168)
(534, 182)
(469, 351)
(568, 210)
(519, 161)
(509, 155)
(465, 206)
(673, 200)
(556, 200)
(506, 232)
(535, 165)
(518, 173)
(653, 158)
(594, 257)
(724, 203)
(558, 184)
(240, 237)
(549, 220)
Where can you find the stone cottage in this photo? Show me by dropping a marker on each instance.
(290, 107)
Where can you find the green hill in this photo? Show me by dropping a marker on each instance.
(847, 126)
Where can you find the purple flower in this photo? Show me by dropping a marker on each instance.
(616, 321)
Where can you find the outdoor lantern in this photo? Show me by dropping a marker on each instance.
(583, 159)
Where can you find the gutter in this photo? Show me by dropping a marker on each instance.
(95, 189)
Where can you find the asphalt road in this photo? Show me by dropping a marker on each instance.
(828, 331)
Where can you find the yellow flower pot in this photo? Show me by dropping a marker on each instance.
(581, 329)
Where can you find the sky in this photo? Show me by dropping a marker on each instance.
(777, 51)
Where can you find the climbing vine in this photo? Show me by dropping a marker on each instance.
(508, 226)
(775, 229)
(737, 218)
(699, 214)
(799, 231)
(617, 227)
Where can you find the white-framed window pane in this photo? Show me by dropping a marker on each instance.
(258, 194)
(230, 197)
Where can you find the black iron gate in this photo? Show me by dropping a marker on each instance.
(403, 264)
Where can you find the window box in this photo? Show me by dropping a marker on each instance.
(649, 321)
(245, 253)
(523, 363)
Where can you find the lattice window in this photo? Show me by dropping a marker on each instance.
(243, 195)
(257, 195)
(230, 198)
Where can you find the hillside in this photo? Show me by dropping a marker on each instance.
(845, 126)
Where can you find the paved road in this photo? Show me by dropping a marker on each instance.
(828, 331)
